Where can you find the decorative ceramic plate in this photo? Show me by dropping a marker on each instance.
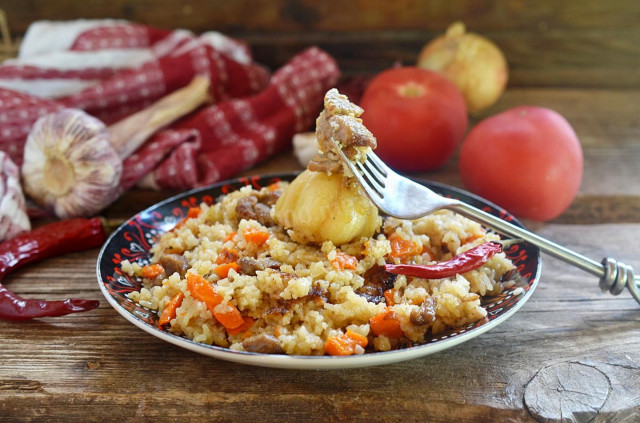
(133, 240)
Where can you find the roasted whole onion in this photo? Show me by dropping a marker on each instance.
(318, 207)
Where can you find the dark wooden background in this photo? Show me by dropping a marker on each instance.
(568, 43)
(548, 362)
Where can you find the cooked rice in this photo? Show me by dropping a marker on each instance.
(305, 322)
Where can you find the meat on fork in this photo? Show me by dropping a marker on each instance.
(339, 126)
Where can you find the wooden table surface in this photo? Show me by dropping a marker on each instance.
(570, 353)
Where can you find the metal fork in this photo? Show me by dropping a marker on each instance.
(400, 197)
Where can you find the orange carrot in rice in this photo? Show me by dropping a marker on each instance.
(227, 255)
(357, 338)
(202, 290)
(223, 269)
(255, 236)
(387, 324)
(344, 261)
(245, 326)
(338, 345)
(345, 344)
(389, 296)
(151, 271)
(228, 316)
(193, 212)
(229, 237)
(169, 312)
(403, 248)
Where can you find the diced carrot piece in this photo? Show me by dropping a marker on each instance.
(228, 316)
(403, 248)
(357, 338)
(248, 322)
(202, 290)
(274, 186)
(255, 236)
(339, 345)
(387, 324)
(389, 297)
(344, 261)
(227, 256)
(151, 271)
(193, 212)
(345, 344)
(222, 270)
(169, 312)
(229, 237)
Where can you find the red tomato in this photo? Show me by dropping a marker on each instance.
(417, 116)
(527, 160)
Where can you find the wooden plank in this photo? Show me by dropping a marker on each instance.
(98, 360)
(335, 15)
(572, 44)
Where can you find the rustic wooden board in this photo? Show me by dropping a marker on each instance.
(97, 364)
(578, 43)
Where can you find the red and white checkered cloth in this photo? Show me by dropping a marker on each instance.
(112, 69)
(13, 218)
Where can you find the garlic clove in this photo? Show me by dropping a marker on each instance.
(70, 167)
(13, 215)
(304, 147)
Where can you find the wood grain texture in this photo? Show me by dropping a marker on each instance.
(577, 57)
(577, 43)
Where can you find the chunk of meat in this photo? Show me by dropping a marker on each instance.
(270, 197)
(250, 208)
(376, 281)
(426, 314)
(249, 266)
(174, 263)
(339, 126)
(263, 344)
(326, 164)
(339, 104)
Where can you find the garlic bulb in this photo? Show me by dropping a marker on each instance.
(73, 162)
(318, 207)
(13, 215)
(304, 147)
(70, 167)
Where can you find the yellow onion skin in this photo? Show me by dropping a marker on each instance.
(472, 62)
(317, 207)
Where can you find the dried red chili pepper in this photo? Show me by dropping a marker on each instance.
(46, 241)
(462, 263)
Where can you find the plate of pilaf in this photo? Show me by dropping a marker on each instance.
(213, 271)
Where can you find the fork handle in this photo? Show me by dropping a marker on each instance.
(614, 275)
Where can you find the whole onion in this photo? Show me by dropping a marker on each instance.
(472, 62)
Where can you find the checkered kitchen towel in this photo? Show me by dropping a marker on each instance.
(112, 69)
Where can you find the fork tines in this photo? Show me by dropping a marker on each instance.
(371, 174)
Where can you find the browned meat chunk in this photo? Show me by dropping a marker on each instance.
(339, 126)
(227, 256)
(346, 130)
(249, 266)
(323, 163)
(249, 208)
(376, 281)
(319, 294)
(270, 197)
(339, 104)
(263, 344)
(426, 314)
(174, 263)
(244, 208)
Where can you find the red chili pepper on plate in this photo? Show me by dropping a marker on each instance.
(46, 241)
(462, 263)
